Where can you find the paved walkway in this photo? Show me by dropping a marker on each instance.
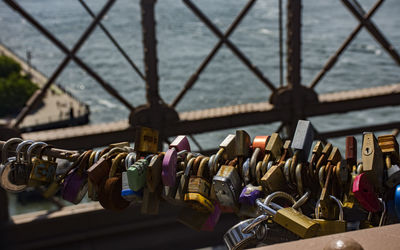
(58, 105)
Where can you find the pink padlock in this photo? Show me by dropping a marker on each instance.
(364, 192)
(168, 174)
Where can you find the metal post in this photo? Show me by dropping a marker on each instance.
(293, 59)
(150, 51)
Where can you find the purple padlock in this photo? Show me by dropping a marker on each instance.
(75, 186)
(249, 194)
(168, 174)
(212, 219)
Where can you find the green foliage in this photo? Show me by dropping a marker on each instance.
(15, 89)
(8, 66)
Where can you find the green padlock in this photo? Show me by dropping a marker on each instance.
(137, 174)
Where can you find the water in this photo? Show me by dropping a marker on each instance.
(184, 41)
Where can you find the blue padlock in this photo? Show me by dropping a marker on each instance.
(397, 201)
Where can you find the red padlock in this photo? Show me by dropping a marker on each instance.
(364, 192)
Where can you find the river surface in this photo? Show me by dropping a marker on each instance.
(184, 41)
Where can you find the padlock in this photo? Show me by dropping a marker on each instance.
(302, 140)
(273, 148)
(126, 192)
(43, 171)
(259, 145)
(20, 169)
(151, 201)
(372, 160)
(184, 182)
(330, 226)
(273, 153)
(137, 174)
(316, 154)
(364, 192)
(353, 211)
(92, 192)
(100, 169)
(274, 180)
(15, 173)
(246, 171)
(227, 151)
(153, 175)
(199, 190)
(390, 148)
(326, 151)
(291, 219)
(169, 193)
(249, 194)
(287, 151)
(170, 160)
(200, 221)
(146, 140)
(227, 186)
(301, 178)
(110, 190)
(343, 176)
(351, 152)
(235, 239)
(75, 183)
(242, 143)
(397, 201)
(333, 159)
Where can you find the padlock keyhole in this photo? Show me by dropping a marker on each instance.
(367, 150)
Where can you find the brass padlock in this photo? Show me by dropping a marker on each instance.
(227, 151)
(146, 140)
(291, 219)
(199, 190)
(43, 171)
(274, 180)
(330, 226)
(372, 159)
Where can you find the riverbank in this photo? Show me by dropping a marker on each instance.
(59, 108)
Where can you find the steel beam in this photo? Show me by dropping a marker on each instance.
(200, 121)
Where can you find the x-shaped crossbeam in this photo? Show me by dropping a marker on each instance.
(365, 21)
(70, 54)
(224, 39)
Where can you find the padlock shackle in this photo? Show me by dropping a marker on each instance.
(257, 221)
(31, 148)
(338, 202)
(265, 208)
(253, 161)
(20, 147)
(202, 167)
(4, 150)
(303, 199)
(115, 163)
(217, 157)
(279, 194)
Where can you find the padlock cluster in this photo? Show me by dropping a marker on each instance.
(290, 189)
